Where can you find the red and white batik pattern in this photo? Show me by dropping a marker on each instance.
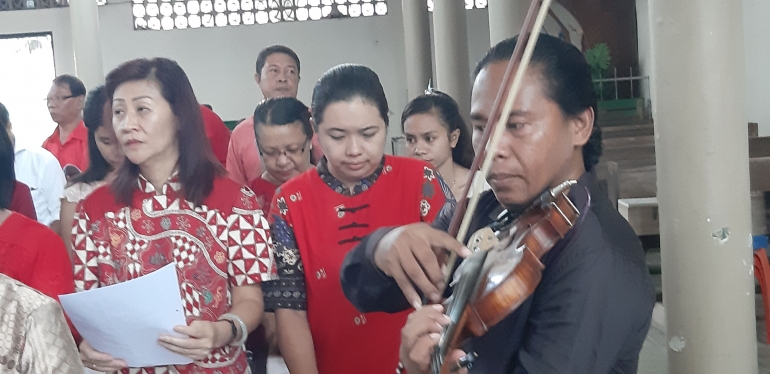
(223, 243)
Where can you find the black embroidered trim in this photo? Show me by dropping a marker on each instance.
(354, 225)
(353, 209)
(354, 239)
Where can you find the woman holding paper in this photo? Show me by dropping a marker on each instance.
(172, 203)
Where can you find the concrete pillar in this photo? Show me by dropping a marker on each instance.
(86, 42)
(506, 18)
(450, 38)
(417, 43)
(703, 186)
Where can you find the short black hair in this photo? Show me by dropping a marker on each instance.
(448, 112)
(567, 79)
(265, 53)
(281, 111)
(5, 118)
(76, 86)
(7, 173)
(347, 82)
(93, 112)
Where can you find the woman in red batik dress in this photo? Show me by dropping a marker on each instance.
(284, 133)
(318, 216)
(171, 202)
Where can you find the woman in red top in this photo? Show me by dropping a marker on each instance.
(29, 251)
(170, 202)
(321, 214)
(284, 133)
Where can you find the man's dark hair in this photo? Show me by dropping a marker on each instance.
(75, 85)
(265, 53)
(197, 165)
(7, 173)
(567, 78)
(93, 112)
(4, 117)
(347, 82)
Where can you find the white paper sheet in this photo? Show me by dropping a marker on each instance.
(126, 319)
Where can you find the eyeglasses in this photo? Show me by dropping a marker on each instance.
(291, 152)
(58, 99)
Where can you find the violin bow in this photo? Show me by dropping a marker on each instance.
(493, 131)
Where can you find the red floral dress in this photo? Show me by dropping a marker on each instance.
(223, 243)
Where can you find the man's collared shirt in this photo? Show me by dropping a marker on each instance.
(74, 150)
(39, 169)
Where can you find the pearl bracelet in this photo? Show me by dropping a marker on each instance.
(241, 325)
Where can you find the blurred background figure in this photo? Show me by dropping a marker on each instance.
(105, 157)
(29, 251)
(69, 141)
(277, 75)
(217, 133)
(40, 171)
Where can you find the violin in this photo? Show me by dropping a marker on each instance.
(503, 272)
(506, 266)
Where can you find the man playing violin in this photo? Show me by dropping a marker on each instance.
(592, 309)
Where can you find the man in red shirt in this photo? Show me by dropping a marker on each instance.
(69, 142)
(277, 76)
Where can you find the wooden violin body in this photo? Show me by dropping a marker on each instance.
(504, 271)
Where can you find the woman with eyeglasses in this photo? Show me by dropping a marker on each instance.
(283, 130)
(319, 215)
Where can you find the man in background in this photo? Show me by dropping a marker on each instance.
(277, 75)
(69, 142)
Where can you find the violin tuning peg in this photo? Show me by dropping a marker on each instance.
(465, 361)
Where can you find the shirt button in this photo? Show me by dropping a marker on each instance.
(359, 320)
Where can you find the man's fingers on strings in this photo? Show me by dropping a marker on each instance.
(445, 243)
(417, 275)
(406, 287)
(431, 266)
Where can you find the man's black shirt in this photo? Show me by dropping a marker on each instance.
(589, 314)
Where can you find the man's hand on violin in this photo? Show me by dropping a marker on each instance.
(414, 255)
(419, 338)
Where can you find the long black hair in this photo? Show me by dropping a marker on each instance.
(347, 82)
(283, 111)
(93, 115)
(443, 106)
(567, 78)
(7, 173)
(197, 165)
